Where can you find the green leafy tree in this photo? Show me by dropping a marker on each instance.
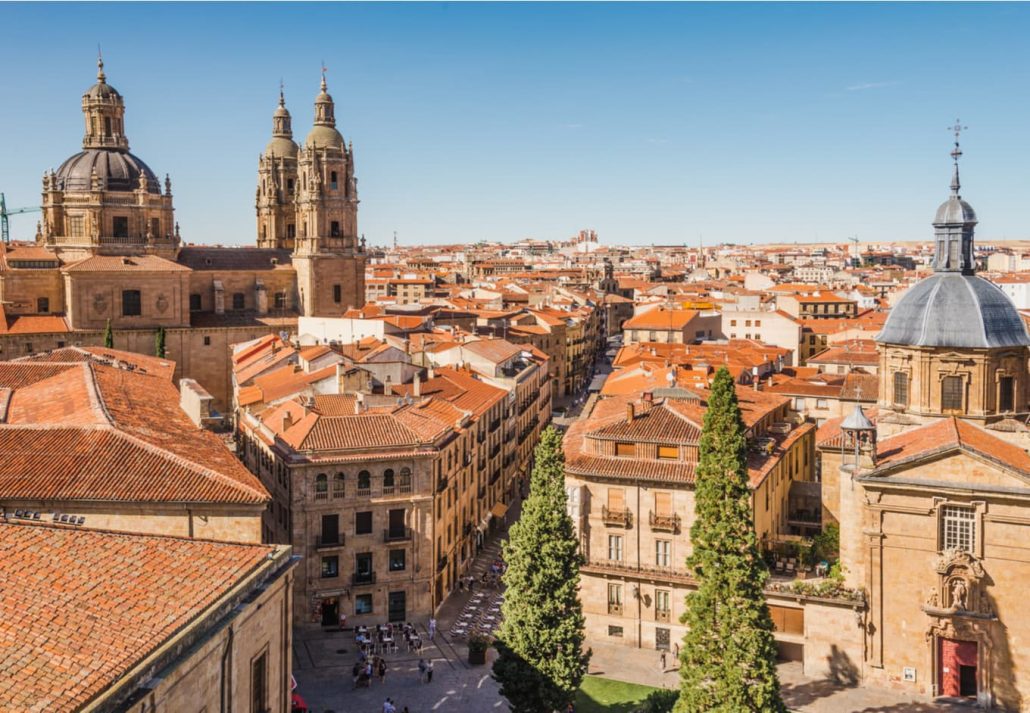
(159, 343)
(108, 336)
(541, 661)
(728, 660)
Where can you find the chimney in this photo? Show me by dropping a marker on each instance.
(432, 373)
(287, 421)
(416, 386)
(630, 412)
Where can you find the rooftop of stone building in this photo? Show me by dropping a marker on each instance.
(80, 609)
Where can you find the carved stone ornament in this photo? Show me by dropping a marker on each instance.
(162, 303)
(100, 303)
(961, 588)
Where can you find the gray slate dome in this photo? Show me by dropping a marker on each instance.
(954, 211)
(119, 169)
(949, 309)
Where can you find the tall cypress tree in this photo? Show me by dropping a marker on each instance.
(159, 343)
(541, 661)
(108, 336)
(728, 658)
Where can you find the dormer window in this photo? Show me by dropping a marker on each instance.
(626, 450)
(668, 453)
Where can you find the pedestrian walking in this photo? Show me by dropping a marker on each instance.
(429, 671)
(432, 628)
(388, 706)
(421, 670)
(663, 661)
(381, 670)
(677, 650)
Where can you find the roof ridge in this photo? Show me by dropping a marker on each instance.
(96, 396)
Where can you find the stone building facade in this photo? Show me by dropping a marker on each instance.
(108, 250)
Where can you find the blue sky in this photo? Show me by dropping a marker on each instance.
(652, 123)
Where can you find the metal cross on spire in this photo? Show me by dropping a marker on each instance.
(324, 70)
(956, 154)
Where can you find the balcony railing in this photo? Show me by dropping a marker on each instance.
(662, 615)
(397, 535)
(321, 495)
(389, 489)
(363, 492)
(615, 608)
(671, 574)
(323, 542)
(363, 578)
(616, 518)
(665, 523)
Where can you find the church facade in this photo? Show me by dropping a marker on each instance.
(108, 250)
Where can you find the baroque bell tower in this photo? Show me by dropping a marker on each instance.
(277, 184)
(307, 202)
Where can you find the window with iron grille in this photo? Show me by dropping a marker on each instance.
(951, 393)
(901, 388)
(958, 525)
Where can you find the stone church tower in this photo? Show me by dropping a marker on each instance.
(104, 199)
(307, 202)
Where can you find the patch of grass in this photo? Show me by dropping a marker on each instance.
(605, 695)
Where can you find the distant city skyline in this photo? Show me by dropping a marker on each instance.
(650, 123)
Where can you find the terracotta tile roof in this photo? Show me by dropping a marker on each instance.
(494, 350)
(661, 423)
(856, 352)
(117, 263)
(34, 324)
(85, 430)
(80, 608)
(946, 435)
(829, 434)
(141, 363)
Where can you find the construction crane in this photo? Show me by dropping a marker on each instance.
(5, 226)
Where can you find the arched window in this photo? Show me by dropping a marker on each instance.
(338, 481)
(405, 483)
(900, 388)
(388, 480)
(364, 482)
(321, 486)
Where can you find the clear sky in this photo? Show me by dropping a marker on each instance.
(647, 122)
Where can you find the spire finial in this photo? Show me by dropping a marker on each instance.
(956, 154)
(101, 77)
(282, 99)
(324, 70)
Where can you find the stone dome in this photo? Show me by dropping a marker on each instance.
(954, 211)
(282, 147)
(949, 309)
(120, 171)
(103, 91)
(322, 136)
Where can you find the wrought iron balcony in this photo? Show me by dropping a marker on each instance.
(397, 534)
(662, 615)
(665, 523)
(616, 518)
(615, 608)
(363, 578)
(324, 542)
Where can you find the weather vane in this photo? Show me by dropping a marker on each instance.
(958, 128)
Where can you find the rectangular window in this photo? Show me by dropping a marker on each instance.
(958, 528)
(239, 301)
(291, 229)
(663, 504)
(668, 452)
(733, 323)
(337, 294)
(758, 323)
(1006, 393)
(901, 388)
(626, 450)
(663, 552)
(397, 560)
(615, 599)
(661, 600)
(120, 226)
(615, 547)
(76, 226)
(332, 180)
(615, 631)
(799, 404)
(280, 300)
(952, 388)
(43, 305)
(363, 604)
(821, 403)
(363, 522)
(259, 684)
(334, 229)
(195, 303)
(788, 620)
(330, 529)
(330, 566)
(207, 341)
(132, 303)
(155, 227)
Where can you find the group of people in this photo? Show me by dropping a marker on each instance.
(366, 669)
(390, 707)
